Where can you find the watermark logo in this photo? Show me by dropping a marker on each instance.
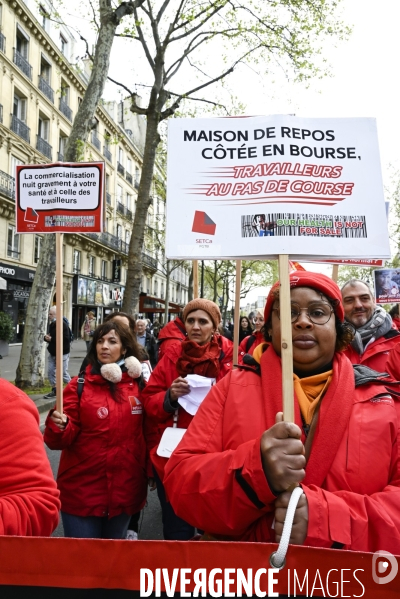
(384, 567)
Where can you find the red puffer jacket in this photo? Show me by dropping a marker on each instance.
(103, 461)
(215, 479)
(157, 419)
(377, 354)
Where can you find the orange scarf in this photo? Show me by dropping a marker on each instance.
(309, 391)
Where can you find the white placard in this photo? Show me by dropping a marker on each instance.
(263, 186)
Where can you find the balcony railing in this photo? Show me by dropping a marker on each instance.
(129, 214)
(60, 157)
(107, 154)
(20, 128)
(149, 261)
(96, 141)
(2, 43)
(129, 178)
(120, 208)
(43, 146)
(22, 63)
(12, 253)
(108, 198)
(120, 168)
(65, 109)
(7, 185)
(110, 241)
(46, 89)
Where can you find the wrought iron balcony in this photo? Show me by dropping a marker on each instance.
(129, 214)
(43, 146)
(129, 178)
(120, 208)
(46, 89)
(22, 63)
(108, 198)
(96, 141)
(149, 261)
(107, 154)
(120, 168)
(7, 185)
(60, 157)
(110, 241)
(65, 109)
(20, 128)
(2, 43)
(11, 253)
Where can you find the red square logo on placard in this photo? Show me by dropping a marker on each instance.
(202, 223)
(31, 216)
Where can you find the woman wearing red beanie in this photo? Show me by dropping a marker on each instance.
(204, 352)
(231, 473)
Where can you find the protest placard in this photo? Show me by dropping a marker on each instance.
(264, 186)
(63, 197)
(387, 285)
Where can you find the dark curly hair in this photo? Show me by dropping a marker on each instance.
(344, 330)
(132, 327)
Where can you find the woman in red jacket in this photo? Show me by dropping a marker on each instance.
(102, 473)
(231, 472)
(202, 353)
(249, 343)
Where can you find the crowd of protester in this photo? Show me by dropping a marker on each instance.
(163, 408)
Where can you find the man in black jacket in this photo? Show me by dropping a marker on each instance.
(147, 340)
(50, 338)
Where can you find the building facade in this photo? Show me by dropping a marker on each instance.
(41, 89)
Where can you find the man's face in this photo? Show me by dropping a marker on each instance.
(384, 280)
(52, 314)
(358, 304)
(140, 327)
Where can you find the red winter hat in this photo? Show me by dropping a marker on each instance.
(317, 281)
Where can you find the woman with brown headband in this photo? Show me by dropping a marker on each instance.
(232, 471)
(202, 354)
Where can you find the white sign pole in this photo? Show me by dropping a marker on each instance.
(59, 322)
(286, 339)
(236, 321)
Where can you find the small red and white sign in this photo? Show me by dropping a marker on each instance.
(60, 198)
(136, 406)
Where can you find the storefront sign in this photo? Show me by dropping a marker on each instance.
(16, 272)
(263, 186)
(60, 198)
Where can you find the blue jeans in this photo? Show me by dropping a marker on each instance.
(174, 528)
(95, 527)
(51, 369)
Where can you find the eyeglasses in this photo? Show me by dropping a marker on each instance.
(318, 313)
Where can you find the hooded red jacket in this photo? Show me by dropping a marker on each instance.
(215, 479)
(257, 337)
(171, 334)
(102, 468)
(377, 355)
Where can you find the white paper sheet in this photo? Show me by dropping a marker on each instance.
(199, 387)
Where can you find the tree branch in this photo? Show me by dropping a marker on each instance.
(142, 40)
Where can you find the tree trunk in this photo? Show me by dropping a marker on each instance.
(30, 370)
(131, 294)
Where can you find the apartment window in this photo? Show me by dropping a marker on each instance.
(38, 247)
(107, 182)
(92, 266)
(119, 231)
(119, 193)
(129, 166)
(19, 107)
(104, 269)
(44, 15)
(156, 287)
(121, 156)
(148, 285)
(45, 69)
(14, 163)
(65, 92)
(77, 261)
(43, 128)
(12, 243)
(127, 237)
(128, 201)
(62, 145)
(22, 43)
(63, 45)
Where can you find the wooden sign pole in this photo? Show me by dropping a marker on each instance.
(335, 272)
(59, 322)
(236, 321)
(286, 339)
(195, 279)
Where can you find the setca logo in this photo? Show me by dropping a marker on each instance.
(384, 567)
(136, 406)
